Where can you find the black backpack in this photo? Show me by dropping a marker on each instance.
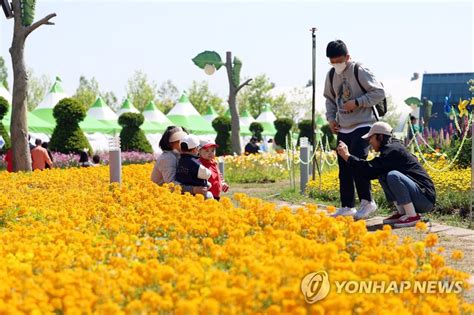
(380, 107)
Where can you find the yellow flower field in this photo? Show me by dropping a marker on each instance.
(458, 180)
(72, 244)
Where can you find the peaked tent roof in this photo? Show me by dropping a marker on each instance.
(127, 107)
(211, 114)
(5, 93)
(266, 118)
(153, 114)
(184, 114)
(55, 94)
(101, 111)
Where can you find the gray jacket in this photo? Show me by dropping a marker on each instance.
(346, 88)
(164, 170)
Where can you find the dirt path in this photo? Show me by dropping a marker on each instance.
(450, 237)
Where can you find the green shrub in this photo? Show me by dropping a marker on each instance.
(283, 127)
(222, 126)
(67, 135)
(305, 130)
(3, 132)
(132, 138)
(329, 137)
(464, 158)
(256, 128)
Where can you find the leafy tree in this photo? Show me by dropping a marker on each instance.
(255, 95)
(167, 95)
(67, 135)
(140, 91)
(200, 96)
(110, 99)
(3, 73)
(38, 87)
(132, 137)
(87, 92)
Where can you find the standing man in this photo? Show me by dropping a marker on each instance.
(349, 111)
(40, 157)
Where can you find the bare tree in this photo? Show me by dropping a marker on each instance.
(19, 124)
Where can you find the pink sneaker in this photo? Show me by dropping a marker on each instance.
(394, 218)
(406, 221)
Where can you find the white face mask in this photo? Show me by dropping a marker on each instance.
(339, 67)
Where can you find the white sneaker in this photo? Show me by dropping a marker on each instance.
(344, 211)
(366, 208)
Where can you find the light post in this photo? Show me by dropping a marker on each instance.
(210, 62)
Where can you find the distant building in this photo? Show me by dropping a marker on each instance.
(436, 86)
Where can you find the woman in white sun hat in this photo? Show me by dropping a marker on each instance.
(404, 181)
(164, 171)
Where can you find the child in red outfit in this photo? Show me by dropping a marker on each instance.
(207, 154)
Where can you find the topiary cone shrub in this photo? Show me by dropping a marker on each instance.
(222, 126)
(283, 127)
(256, 128)
(3, 132)
(67, 135)
(132, 138)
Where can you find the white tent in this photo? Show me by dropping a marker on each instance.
(55, 94)
(127, 107)
(101, 111)
(210, 114)
(5, 93)
(153, 114)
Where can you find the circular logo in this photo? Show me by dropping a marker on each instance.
(315, 286)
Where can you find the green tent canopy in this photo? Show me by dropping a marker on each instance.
(35, 124)
(266, 119)
(88, 125)
(210, 114)
(185, 115)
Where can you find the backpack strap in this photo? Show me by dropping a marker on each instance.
(331, 78)
(356, 74)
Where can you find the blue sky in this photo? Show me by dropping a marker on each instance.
(112, 39)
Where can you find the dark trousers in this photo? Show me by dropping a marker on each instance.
(347, 177)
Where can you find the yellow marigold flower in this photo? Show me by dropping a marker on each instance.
(457, 255)
(431, 240)
(421, 226)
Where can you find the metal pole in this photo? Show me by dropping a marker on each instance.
(115, 160)
(313, 101)
(472, 174)
(221, 166)
(304, 165)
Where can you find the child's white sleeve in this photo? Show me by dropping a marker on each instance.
(203, 172)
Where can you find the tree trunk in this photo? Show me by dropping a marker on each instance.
(19, 125)
(234, 113)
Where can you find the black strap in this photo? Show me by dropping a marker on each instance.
(356, 74)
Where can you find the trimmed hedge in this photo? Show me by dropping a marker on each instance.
(256, 128)
(305, 130)
(67, 135)
(3, 132)
(132, 138)
(283, 127)
(222, 125)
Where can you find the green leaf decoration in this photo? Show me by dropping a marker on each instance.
(413, 101)
(236, 71)
(28, 12)
(208, 58)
